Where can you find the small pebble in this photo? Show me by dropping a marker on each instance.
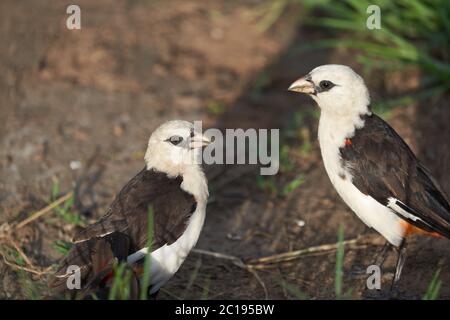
(300, 223)
(75, 164)
(234, 237)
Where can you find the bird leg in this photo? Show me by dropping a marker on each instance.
(381, 258)
(382, 255)
(151, 296)
(399, 266)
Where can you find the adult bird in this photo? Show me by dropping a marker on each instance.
(173, 188)
(371, 167)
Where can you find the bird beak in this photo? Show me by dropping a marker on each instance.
(198, 141)
(302, 85)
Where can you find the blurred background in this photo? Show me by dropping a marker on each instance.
(77, 108)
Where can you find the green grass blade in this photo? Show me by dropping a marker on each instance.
(339, 264)
(205, 292)
(55, 190)
(147, 262)
(434, 287)
(292, 185)
(116, 283)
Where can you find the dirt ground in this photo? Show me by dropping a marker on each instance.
(93, 96)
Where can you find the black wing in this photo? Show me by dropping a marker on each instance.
(384, 167)
(171, 205)
(124, 226)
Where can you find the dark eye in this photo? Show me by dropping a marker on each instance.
(326, 85)
(175, 140)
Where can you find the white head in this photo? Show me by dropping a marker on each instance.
(337, 89)
(175, 147)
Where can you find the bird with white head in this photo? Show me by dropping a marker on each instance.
(173, 187)
(371, 167)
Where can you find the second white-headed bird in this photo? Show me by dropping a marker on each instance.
(174, 186)
(369, 164)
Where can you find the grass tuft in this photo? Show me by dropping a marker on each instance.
(121, 283)
(66, 210)
(62, 246)
(394, 47)
(414, 34)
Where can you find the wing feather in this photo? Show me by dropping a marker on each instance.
(384, 167)
(123, 229)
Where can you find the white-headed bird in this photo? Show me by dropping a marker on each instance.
(369, 164)
(173, 188)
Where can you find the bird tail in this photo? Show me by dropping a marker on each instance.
(89, 268)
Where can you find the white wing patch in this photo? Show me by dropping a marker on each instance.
(392, 203)
(97, 236)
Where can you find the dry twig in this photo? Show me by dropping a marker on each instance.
(6, 236)
(45, 210)
(292, 255)
(20, 251)
(16, 266)
(260, 263)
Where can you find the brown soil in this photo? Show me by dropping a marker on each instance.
(95, 95)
